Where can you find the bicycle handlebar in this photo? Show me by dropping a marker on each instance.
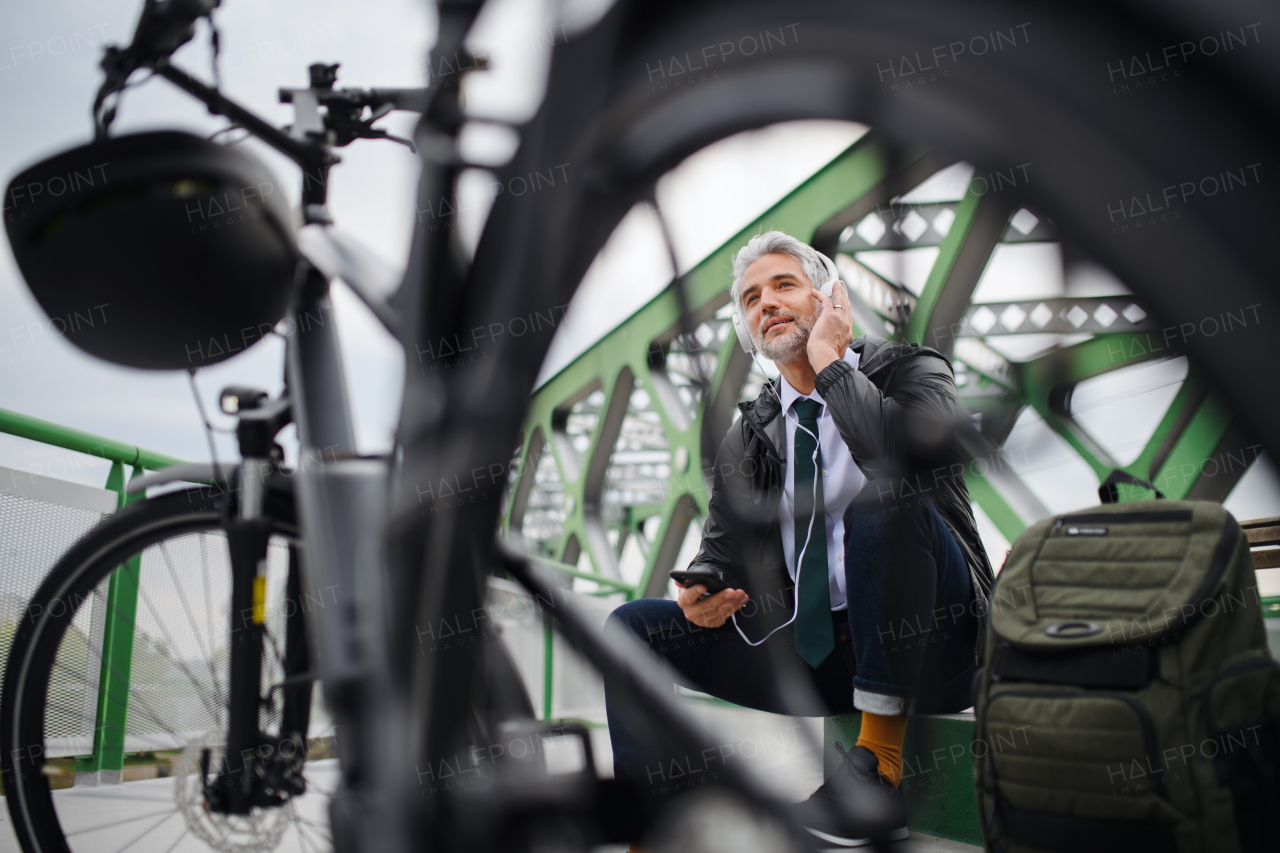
(412, 100)
(344, 120)
(166, 25)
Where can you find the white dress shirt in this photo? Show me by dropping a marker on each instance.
(841, 482)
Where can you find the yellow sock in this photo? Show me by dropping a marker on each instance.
(883, 736)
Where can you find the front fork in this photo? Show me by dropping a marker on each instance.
(233, 789)
(257, 770)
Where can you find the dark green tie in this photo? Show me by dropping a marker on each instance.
(814, 637)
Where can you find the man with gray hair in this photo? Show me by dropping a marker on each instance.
(840, 526)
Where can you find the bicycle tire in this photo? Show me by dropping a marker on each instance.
(58, 605)
(1047, 102)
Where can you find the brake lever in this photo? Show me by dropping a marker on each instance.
(376, 133)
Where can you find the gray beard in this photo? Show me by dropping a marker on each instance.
(786, 348)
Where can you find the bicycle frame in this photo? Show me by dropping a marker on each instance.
(340, 495)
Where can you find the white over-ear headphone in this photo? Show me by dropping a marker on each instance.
(740, 322)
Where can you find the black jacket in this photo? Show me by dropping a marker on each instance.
(896, 413)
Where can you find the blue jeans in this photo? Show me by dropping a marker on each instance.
(906, 642)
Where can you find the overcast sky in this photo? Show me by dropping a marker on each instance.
(48, 76)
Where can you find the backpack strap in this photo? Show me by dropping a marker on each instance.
(1109, 491)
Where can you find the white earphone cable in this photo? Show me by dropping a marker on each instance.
(833, 275)
(813, 512)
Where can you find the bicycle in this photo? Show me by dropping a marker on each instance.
(398, 712)
(235, 733)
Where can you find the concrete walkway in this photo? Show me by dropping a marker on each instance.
(143, 817)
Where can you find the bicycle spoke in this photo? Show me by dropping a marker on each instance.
(87, 719)
(319, 841)
(204, 571)
(275, 648)
(97, 654)
(150, 713)
(213, 710)
(178, 840)
(302, 836)
(167, 813)
(310, 822)
(302, 840)
(148, 831)
(100, 794)
(154, 715)
(186, 606)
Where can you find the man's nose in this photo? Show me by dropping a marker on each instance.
(769, 302)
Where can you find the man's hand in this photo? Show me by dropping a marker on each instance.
(831, 332)
(713, 611)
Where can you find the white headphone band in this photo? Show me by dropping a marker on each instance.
(833, 272)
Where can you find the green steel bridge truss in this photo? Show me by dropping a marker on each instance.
(613, 442)
(614, 439)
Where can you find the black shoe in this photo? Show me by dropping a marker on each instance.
(855, 805)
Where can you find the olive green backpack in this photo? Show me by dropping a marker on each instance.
(1128, 702)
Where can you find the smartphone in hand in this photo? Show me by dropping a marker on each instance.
(711, 580)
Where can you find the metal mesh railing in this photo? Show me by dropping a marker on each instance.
(33, 535)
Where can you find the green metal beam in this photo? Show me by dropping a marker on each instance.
(1185, 439)
(1084, 446)
(548, 658)
(1045, 382)
(981, 218)
(1068, 366)
(116, 668)
(1188, 399)
(620, 586)
(997, 509)
(47, 432)
(1186, 462)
